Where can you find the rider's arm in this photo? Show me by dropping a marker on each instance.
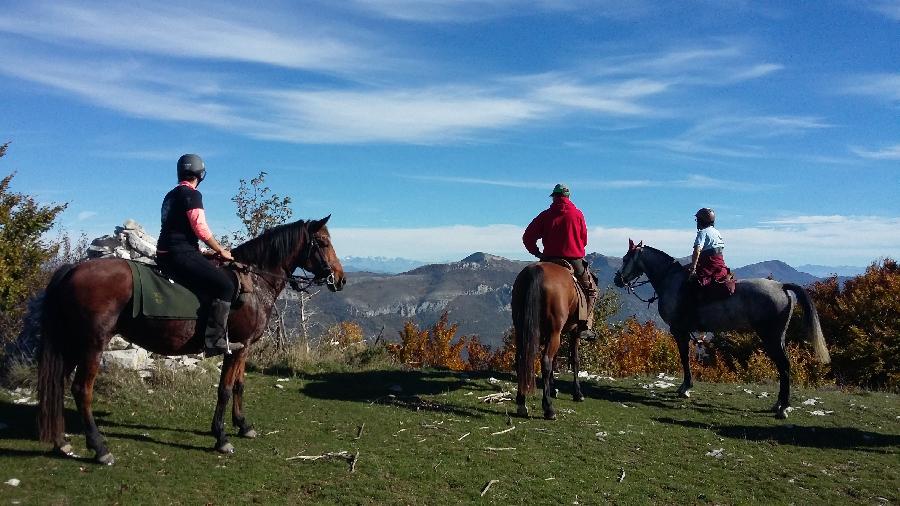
(531, 235)
(197, 219)
(694, 259)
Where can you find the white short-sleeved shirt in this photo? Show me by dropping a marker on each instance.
(709, 238)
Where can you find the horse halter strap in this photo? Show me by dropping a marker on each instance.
(631, 285)
(302, 283)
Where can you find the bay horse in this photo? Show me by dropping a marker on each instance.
(763, 306)
(87, 303)
(544, 305)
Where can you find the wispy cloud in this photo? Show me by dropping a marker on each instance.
(886, 153)
(461, 11)
(889, 8)
(218, 32)
(691, 181)
(739, 137)
(880, 86)
(86, 215)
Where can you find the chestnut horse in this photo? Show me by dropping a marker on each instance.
(86, 304)
(544, 305)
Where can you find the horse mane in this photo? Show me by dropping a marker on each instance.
(269, 249)
(661, 252)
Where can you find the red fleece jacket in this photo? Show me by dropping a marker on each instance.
(561, 228)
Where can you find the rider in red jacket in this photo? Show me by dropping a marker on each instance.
(563, 232)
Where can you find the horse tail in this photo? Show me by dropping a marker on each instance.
(528, 325)
(51, 364)
(810, 321)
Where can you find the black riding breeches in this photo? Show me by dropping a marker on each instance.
(194, 271)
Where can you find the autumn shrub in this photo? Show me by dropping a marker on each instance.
(861, 323)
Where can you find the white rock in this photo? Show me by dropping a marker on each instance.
(118, 343)
(134, 358)
(718, 453)
(13, 482)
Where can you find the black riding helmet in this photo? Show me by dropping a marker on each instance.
(706, 217)
(190, 165)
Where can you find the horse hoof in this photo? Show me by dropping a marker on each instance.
(226, 449)
(522, 411)
(578, 398)
(249, 434)
(106, 459)
(685, 394)
(65, 450)
(554, 392)
(549, 415)
(781, 414)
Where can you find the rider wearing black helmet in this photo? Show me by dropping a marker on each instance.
(707, 267)
(178, 253)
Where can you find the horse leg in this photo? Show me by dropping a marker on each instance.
(683, 340)
(774, 348)
(553, 390)
(226, 387)
(83, 392)
(577, 396)
(245, 429)
(547, 370)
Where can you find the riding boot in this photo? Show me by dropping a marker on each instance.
(217, 330)
(589, 284)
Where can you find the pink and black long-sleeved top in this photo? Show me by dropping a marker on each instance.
(183, 220)
(561, 228)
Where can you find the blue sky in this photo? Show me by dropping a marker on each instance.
(431, 129)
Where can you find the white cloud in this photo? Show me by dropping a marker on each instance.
(462, 11)
(690, 181)
(880, 86)
(86, 215)
(889, 8)
(797, 240)
(216, 32)
(886, 153)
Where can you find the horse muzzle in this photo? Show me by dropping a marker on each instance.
(334, 283)
(617, 280)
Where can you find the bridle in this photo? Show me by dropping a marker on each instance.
(302, 283)
(632, 284)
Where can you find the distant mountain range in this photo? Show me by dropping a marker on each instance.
(381, 265)
(476, 291)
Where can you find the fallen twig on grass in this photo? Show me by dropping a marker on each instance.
(488, 486)
(464, 436)
(360, 431)
(492, 449)
(497, 397)
(621, 474)
(341, 455)
(503, 431)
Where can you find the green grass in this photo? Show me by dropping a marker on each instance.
(412, 450)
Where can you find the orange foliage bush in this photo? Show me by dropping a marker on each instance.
(861, 323)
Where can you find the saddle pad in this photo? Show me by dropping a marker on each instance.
(157, 297)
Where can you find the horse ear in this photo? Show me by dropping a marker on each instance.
(316, 225)
(640, 244)
(630, 244)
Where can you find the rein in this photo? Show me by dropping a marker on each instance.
(297, 283)
(631, 285)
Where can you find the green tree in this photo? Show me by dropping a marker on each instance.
(24, 253)
(258, 208)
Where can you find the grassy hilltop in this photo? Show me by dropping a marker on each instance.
(424, 437)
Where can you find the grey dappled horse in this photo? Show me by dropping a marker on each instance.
(759, 305)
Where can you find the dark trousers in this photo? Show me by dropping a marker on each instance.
(198, 274)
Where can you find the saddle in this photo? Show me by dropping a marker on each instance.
(157, 296)
(714, 289)
(583, 312)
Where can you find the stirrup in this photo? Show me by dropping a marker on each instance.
(222, 345)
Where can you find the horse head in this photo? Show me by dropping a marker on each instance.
(320, 258)
(631, 268)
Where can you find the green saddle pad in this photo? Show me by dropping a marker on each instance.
(157, 297)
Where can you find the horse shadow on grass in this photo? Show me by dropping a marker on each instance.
(418, 390)
(21, 424)
(838, 438)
